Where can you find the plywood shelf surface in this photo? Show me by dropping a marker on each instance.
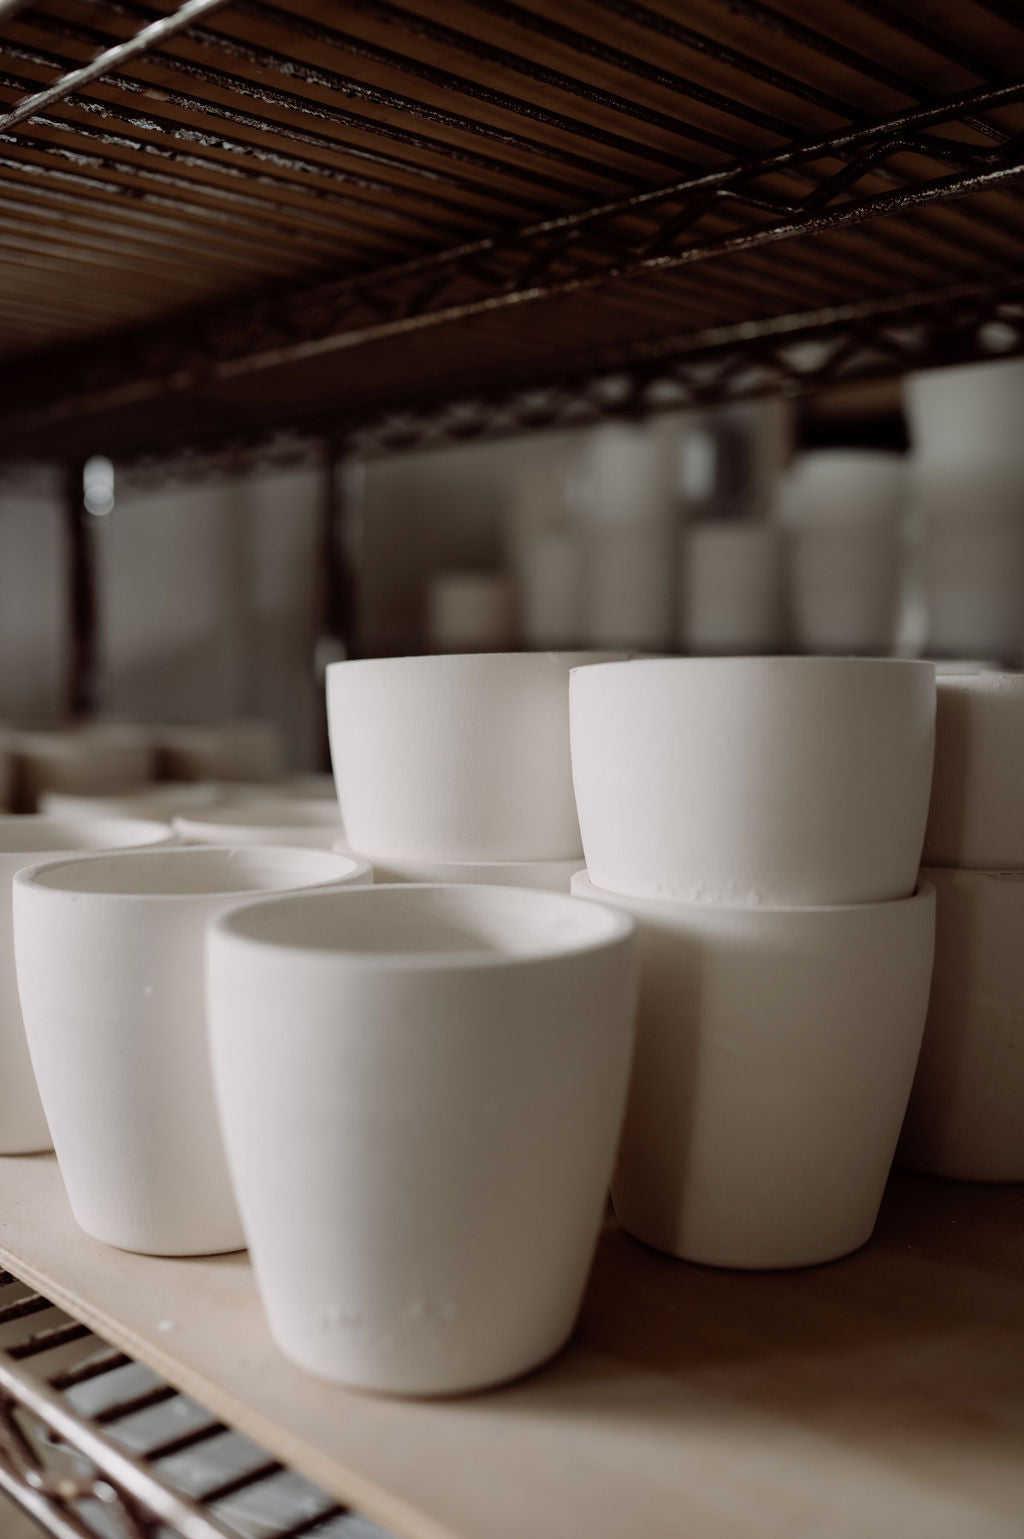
(881, 1395)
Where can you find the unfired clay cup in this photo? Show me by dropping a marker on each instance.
(279, 820)
(93, 757)
(775, 1053)
(455, 758)
(229, 750)
(25, 840)
(976, 816)
(777, 780)
(161, 801)
(966, 1113)
(731, 588)
(545, 875)
(969, 414)
(421, 1090)
(109, 954)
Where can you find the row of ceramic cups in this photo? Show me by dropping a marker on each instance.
(785, 955)
(965, 1118)
(100, 757)
(760, 820)
(405, 1099)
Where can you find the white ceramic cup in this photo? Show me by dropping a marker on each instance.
(454, 759)
(968, 414)
(421, 1090)
(468, 612)
(843, 487)
(230, 750)
(109, 954)
(775, 1053)
(161, 801)
(966, 1112)
(972, 574)
(629, 585)
(976, 816)
(546, 875)
(843, 587)
(278, 820)
(549, 586)
(26, 839)
(776, 780)
(94, 757)
(731, 589)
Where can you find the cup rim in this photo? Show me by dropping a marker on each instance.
(73, 827)
(923, 892)
(452, 659)
(791, 661)
(30, 876)
(613, 928)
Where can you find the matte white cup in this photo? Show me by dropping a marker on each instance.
(421, 1090)
(456, 758)
(972, 573)
(843, 586)
(775, 1054)
(278, 820)
(162, 801)
(92, 757)
(229, 750)
(546, 875)
(109, 954)
(966, 1112)
(731, 588)
(25, 840)
(968, 414)
(468, 612)
(775, 780)
(976, 815)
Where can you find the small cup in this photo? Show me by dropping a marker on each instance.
(229, 750)
(421, 1091)
(26, 839)
(731, 589)
(777, 780)
(161, 801)
(965, 1115)
(775, 1054)
(468, 612)
(967, 415)
(545, 875)
(279, 820)
(972, 574)
(109, 955)
(454, 759)
(95, 757)
(976, 815)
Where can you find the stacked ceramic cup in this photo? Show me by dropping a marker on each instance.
(967, 479)
(456, 768)
(761, 819)
(966, 1114)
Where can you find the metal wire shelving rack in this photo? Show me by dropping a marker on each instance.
(383, 224)
(95, 1446)
(403, 223)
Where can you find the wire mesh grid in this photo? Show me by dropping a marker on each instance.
(93, 1445)
(235, 203)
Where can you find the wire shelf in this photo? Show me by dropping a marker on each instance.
(93, 1445)
(219, 219)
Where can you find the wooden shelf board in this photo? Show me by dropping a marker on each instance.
(881, 1395)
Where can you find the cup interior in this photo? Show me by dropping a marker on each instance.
(38, 833)
(192, 872)
(432, 924)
